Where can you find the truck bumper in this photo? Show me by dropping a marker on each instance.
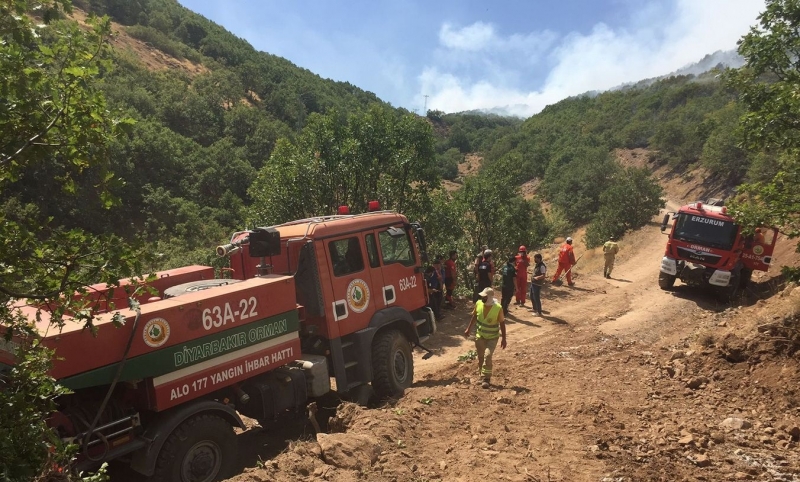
(695, 274)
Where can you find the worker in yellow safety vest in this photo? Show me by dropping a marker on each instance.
(488, 315)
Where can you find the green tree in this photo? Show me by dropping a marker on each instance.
(768, 84)
(722, 152)
(51, 114)
(574, 181)
(378, 155)
(448, 163)
(630, 202)
(498, 216)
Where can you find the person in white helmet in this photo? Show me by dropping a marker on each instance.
(566, 260)
(491, 327)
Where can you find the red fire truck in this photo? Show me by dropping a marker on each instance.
(336, 297)
(707, 248)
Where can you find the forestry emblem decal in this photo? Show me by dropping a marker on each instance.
(156, 332)
(358, 295)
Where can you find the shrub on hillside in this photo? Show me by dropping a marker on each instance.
(629, 203)
(162, 42)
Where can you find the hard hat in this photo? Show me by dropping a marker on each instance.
(611, 237)
(487, 252)
(522, 248)
(569, 240)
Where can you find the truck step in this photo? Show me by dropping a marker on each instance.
(423, 339)
(352, 385)
(420, 322)
(350, 364)
(346, 344)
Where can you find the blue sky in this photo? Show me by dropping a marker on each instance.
(517, 55)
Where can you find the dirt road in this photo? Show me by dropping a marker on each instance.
(619, 381)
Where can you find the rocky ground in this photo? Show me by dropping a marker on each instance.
(619, 381)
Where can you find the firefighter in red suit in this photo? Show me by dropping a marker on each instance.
(522, 263)
(566, 260)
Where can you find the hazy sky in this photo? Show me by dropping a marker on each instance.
(469, 54)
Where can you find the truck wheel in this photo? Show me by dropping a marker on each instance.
(732, 292)
(201, 449)
(666, 281)
(747, 274)
(194, 286)
(392, 364)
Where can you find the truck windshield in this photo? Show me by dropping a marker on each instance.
(714, 233)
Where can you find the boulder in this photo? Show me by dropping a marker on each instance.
(349, 451)
(696, 382)
(735, 423)
(702, 461)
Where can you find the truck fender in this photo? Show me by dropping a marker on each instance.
(361, 342)
(397, 316)
(159, 429)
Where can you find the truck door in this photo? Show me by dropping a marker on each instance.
(353, 294)
(757, 252)
(384, 295)
(403, 283)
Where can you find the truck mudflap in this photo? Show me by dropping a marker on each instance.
(144, 460)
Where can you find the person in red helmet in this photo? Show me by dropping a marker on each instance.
(566, 260)
(522, 263)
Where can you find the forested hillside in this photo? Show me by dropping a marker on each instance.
(200, 137)
(685, 122)
(197, 139)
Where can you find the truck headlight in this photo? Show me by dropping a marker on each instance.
(669, 266)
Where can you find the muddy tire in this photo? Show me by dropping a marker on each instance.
(744, 282)
(666, 281)
(392, 364)
(733, 291)
(201, 449)
(194, 286)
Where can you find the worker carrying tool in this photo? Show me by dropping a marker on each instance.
(566, 260)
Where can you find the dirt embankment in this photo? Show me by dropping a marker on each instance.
(619, 381)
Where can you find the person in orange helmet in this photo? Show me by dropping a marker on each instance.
(521, 264)
(566, 260)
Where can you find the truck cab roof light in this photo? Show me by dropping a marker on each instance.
(344, 210)
(374, 206)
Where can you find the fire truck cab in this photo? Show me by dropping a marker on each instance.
(356, 276)
(707, 247)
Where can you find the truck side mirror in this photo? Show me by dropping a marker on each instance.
(664, 223)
